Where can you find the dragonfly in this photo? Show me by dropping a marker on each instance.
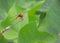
(9, 27)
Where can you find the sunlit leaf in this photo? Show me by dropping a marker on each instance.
(11, 19)
(30, 34)
(32, 11)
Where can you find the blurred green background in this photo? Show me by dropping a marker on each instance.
(41, 21)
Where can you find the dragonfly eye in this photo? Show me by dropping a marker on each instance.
(20, 15)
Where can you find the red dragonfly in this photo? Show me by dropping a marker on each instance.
(8, 27)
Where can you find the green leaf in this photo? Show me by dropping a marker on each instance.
(2, 39)
(30, 34)
(32, 11)
(7, 22)
(11, 19)
(43, 23)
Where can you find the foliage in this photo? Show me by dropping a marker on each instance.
(40, 22)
